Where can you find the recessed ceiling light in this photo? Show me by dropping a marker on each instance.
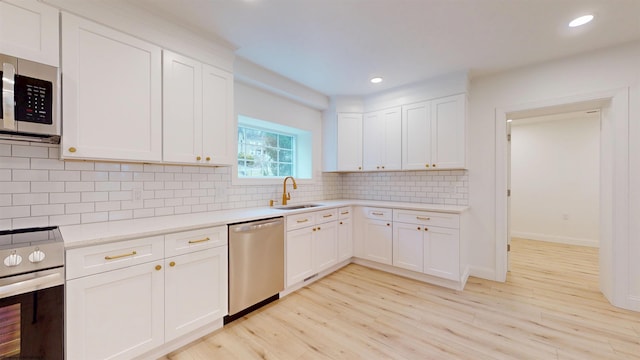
(376, 80)
(580, 20)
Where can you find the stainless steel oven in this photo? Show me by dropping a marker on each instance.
(32, 294)
(29, 107)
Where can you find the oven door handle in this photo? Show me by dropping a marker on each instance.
(22, 284)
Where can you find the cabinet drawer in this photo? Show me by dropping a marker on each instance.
(344, 212)
(326, 216)
(377, 213)
(100, 258)
(300, 220)
(446, 220)
(189, 241)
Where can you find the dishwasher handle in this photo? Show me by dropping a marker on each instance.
(257, 225)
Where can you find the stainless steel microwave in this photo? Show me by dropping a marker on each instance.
(29, 107)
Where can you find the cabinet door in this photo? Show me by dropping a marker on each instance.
(195, 290)
(408, 246)
(349, 142)
(377, 241)
(416, 136)
(29, 30)
(325, 246)
(345, 239)
(299, 255)
(442, 252)
(112, 94)
(218, 123)
(182, 109)
(448, 118)
(392, 131)
(372, 141)
(115, 315)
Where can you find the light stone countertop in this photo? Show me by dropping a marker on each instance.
(105, 232)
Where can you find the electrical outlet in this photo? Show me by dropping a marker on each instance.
(136, 196)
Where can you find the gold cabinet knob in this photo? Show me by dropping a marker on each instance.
(377, 167)
(341, 222)
(314, 229)
(318, 227)
(425, 229)
(388, 224)
(72, 149)
(434, 165)
(198, 157)
(158, 267)
(359, 167)
(426, 165)
(172, 264)
(419, 228)
(208, 158)
(383, 166)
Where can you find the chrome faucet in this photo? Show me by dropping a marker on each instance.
(285, 195)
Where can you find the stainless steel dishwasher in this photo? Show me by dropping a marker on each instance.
(256, 265)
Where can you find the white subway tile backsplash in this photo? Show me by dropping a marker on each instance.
(29, 151)
(30, 199)
(7, 187)
(88, 191)
(30, 175)
(50, 209)
(7, 162)
(47, 164)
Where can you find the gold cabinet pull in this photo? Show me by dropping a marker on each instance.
(199, 241)
(327, 216)
(72, 149)
(208, 158)
(113, 257)
(158, 267)
(344, 213)
(377, 213)
(422, 218)
(302, 221)
(173, 263)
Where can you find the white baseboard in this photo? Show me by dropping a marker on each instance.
(482, 272)
(556, 239)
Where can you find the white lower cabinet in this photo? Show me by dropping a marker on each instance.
(408, 242)
(345, 234)
(312, 245)
(118, 314)
(377, 235)
(193, 295)
(125, 299)
(442, 252)
(420, 246)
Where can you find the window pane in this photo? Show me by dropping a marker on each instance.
(263, 153)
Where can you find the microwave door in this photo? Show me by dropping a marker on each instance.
(8, 101)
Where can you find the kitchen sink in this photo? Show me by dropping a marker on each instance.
(296, 206)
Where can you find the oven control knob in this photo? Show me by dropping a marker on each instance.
(36, 256)
(13, 260)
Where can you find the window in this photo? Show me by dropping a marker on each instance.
(263, 153)
(269, 150)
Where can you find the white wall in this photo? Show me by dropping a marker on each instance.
(557, 81)
(555, 172)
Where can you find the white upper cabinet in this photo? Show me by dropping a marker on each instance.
(349, 142)
(434, 134)
(382, 139)
(218, 125)
(182, 109)
(29, 29)
(448, 132)
(198, 112)
(112, 86)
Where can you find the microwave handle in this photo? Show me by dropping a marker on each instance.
(8, 97)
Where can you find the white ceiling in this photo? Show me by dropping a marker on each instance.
(335, 46)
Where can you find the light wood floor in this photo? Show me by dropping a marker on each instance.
(549, 308)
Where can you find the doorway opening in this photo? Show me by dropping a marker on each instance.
(553, 177)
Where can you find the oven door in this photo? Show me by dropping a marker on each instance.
(32, 316)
